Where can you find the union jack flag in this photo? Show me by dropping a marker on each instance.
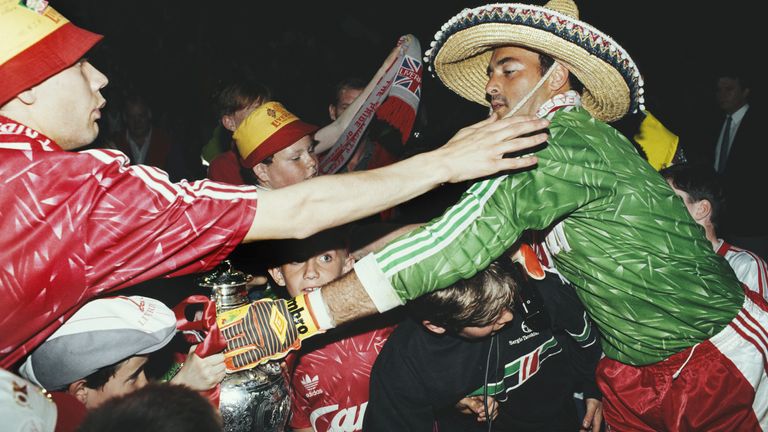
(409, 75)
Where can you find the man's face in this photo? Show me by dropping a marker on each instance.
(68, 104)
(345, 98)
(303, 277)
(138, 119)
(730, 94)
(480, 332)
(512, 73)
(128, 378)
(291, 165)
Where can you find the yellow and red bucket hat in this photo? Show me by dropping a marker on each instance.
(36, 42)
(267, 130)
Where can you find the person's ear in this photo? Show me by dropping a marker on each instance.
(261, 173)
(228, 122)
(436, 329)
(79, 391)
(702, 210)
(349, 262)
(277, 275)
(332, 111)
(27, 97)
(559, 77)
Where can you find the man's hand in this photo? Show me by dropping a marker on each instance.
(593, 419)
(302, 209)
(473, 405)
(264, 330)
(478, 150)
(200, 373)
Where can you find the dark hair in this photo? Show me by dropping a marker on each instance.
(473, 302)
(239, 93)
(739, 74)
(99, 378)
(700, 183)
(287, 251)
(545, 62)
(155, 407)
(347, 83)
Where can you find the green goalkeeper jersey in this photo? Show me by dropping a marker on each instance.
(642, 267)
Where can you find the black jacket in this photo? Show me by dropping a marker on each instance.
(419, 376)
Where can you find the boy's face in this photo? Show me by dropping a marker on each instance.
(302, 277)
(289, 166)
(128, 378)
(690, 204)
(480, 332)
(346, 96)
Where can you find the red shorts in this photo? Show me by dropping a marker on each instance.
(720, 384)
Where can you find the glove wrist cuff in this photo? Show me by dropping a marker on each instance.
(303, 316)
(320, 310)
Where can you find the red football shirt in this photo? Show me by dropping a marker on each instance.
(74, 225)
(330, 384)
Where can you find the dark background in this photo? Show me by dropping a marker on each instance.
(175, 52)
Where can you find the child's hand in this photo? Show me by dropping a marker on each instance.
(473, 405)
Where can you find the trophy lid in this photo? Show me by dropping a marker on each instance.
(224, 275)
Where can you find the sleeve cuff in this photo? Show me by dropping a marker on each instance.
(376, 284)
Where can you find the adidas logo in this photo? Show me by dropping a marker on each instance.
(310, 383)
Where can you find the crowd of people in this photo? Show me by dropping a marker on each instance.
(590, 277)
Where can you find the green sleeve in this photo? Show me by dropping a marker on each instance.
(492, 215)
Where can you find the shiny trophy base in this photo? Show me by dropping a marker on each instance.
(255, 400)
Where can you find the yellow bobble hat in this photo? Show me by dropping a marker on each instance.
(267, 130)
(36, 42)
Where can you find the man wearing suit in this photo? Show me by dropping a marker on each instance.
(739, 157)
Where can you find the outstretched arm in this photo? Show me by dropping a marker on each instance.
(323, 202)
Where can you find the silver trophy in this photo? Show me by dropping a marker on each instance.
(256, 399)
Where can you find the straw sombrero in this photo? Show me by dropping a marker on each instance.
(463, 47)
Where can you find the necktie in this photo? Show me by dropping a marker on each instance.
(725, 143)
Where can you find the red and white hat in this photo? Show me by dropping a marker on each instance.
(36, 42)
(101, 333)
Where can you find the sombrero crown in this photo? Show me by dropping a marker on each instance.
(463, 47)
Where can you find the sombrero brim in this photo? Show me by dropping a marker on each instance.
(612, 84)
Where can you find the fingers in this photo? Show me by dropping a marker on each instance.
(517, 129)
(471, 129)
(516, 163)
(518, 125)
(514, 145)
(481, 124)
(593, 418)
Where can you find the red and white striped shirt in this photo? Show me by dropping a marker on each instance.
(74, 225)
(750, 269)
